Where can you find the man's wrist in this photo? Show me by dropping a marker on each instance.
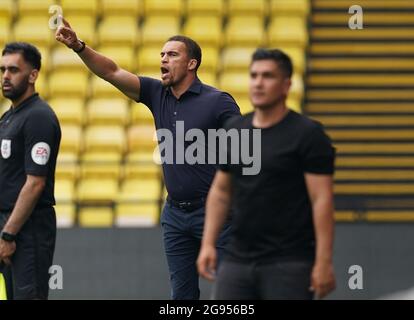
(8, 237)
(79, 46)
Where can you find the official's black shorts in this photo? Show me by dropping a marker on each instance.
(28, 276)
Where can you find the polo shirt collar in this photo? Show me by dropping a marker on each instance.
(25, 102)
(194, 88)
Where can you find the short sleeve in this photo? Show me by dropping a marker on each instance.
(149, 89)
(41, 140)
(227, 108)
(317, 153)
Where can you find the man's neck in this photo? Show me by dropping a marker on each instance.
(264, 118)
(183, 86)
(29, 92)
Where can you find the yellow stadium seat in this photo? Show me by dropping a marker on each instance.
(80, 7)
(137, 215)
(64, 190)
(67, 166)
(140, 190)
(243, 101)
(122, 55)
(208, 8)
(289, 7)
(105, 138)
(96, 190)
(103, 89)
(205, 30)
(138, 202)
(142, 165)
(149, 60)
(237, 59)
(3, 293)
(34, 7)
(149, 156)
(141, 138)
(41, 86)
(245, 31)
(235, 83)
(209, 60)
(122, 7)
(288, 31)
(107, 111)
(34, 30)
(7, 8)
(45, 61)
(119, 30)
(84, 25)
(297, 55)
(157, 29)
(71, 139)
(65, 207)
(208, 77)
(65, 215)
(140, 114)
(4, 106)
(96, 217)
(296, 90)
(101, 165)
(4, 31)
(64, 58)
(68, 110)
(294, 103)
(68, 83)
(170, 7)
(247, 7)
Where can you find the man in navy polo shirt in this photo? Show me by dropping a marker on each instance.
(178, 101)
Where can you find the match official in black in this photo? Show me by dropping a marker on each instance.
(30, 137)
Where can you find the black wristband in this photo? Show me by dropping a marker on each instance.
(81, 48)
(7, 236)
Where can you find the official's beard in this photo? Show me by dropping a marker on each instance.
(16, 91)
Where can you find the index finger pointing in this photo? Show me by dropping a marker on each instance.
(65, 23)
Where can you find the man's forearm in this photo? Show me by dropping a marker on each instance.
(100, 65)
(25, 204)
(217, 210)
(324, 229)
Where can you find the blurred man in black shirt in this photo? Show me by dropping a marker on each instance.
(281, 246)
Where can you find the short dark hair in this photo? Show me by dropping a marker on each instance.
(29, 52)
(193, 49)
(282, 59)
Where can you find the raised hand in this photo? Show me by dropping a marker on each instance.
(67, 35)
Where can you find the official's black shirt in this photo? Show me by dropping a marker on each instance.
(200, 107)
(29, 137)
(272, 211)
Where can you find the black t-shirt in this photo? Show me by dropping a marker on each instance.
(30, 138)
(272, 216)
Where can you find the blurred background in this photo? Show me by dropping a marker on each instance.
(109, 191)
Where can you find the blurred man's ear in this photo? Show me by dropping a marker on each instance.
(192, 65)
(287, 83)
(33, 76)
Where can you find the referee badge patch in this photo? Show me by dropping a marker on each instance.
(5, 148)
(41, 153)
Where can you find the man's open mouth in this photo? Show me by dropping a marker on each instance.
(164, 72)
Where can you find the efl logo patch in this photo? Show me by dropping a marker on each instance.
(41, 153)
(5, 148)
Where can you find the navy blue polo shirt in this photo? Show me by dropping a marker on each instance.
(200, 107)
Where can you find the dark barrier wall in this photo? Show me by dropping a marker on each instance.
(130, 263)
